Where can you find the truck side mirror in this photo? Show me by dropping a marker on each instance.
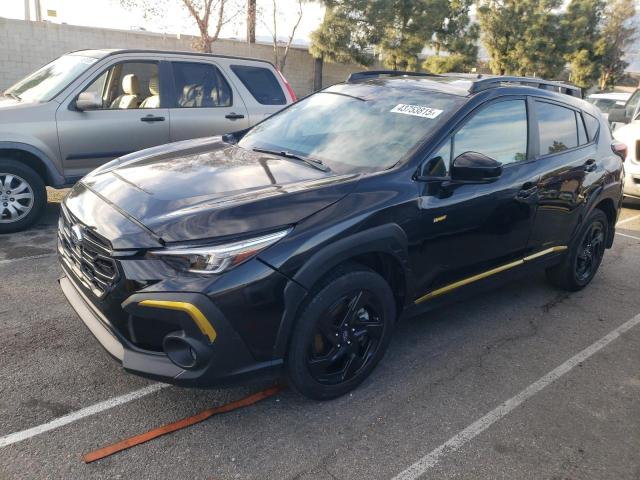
(618, 115)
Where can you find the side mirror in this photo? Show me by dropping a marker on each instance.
(88, 101)
(618, 115)
(475, 167)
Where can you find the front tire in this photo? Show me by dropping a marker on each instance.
(22, 196)
(342, 333)
(584, 256)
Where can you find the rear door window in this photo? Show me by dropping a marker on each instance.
(557, 128)
(200, 85)
(261, 83)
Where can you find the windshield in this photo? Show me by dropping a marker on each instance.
(354, 128)
(46, 83)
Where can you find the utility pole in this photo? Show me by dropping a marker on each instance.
(38, 11)
(27, 10)
(251, 21)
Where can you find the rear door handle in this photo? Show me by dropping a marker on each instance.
(234, 116)
(152, 118)
(527, 190)
(590, 165)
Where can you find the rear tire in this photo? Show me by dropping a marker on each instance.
(342, 333)
(583, 259)
(23, 196)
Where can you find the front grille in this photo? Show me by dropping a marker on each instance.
(87, 254)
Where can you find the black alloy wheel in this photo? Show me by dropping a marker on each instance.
(584, 256)
(590, 252)
(346, 339)
(341, 333)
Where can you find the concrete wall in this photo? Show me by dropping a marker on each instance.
(26, 46)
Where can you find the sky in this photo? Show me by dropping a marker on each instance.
(110, 14)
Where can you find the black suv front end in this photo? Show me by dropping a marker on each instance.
(190, 330)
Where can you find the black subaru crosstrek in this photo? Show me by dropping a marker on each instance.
(296, 245)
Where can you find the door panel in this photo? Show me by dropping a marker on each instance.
(204, 103)
(467, 229)
(568, 171)
(464, 229)
(122, 125)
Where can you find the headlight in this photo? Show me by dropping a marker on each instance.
(217, 258)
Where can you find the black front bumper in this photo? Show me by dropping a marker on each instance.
(227, 359)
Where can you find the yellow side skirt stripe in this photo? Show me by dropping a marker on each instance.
(194, 312)
(488, 273)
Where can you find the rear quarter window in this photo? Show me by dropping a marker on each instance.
(261, 83)
(593, 125)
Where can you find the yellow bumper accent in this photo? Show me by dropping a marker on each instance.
(488, 273)
(194, 312)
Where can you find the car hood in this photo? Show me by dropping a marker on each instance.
(203, 189)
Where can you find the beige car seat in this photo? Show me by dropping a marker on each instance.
(152, 101)
(192, 96)
(220, 97)
(131, 89)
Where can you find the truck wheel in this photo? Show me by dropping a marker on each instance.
(585, 254)
(22, 196)
(342, 333)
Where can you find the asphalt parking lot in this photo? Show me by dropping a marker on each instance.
(523, 382)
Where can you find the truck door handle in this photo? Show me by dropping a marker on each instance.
(152, 118)
(234, 116)
(590, 165)
(527, 190)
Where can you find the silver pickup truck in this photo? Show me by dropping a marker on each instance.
(88, 107)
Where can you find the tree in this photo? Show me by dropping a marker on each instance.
(407, 26)
(251, 21)
(456, 34)
(207, 14)
(280, 60)
(617, 33)
(581, 29)
(397, 30)
(344, 34)
(523, 37)
(446, 63)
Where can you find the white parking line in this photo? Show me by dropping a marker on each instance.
(627, 220)
(476, 428)
(77, 415)
(628, 236)
(32, 257)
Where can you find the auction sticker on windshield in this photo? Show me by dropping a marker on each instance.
(416, 110)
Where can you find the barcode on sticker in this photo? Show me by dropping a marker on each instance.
(416, 110)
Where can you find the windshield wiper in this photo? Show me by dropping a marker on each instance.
(313, 162)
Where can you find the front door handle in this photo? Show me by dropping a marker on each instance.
(590, 165)
(152, 118)
(234, 116)
(527, 190)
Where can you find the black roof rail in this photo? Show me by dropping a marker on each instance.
(490, 82)
(354, 77)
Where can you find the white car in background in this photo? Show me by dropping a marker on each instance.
(629, 134)
(608, 101)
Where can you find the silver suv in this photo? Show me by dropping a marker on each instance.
(91, 106)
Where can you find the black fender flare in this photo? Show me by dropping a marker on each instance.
(611, 191)
(388, 239)
(54, 178)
